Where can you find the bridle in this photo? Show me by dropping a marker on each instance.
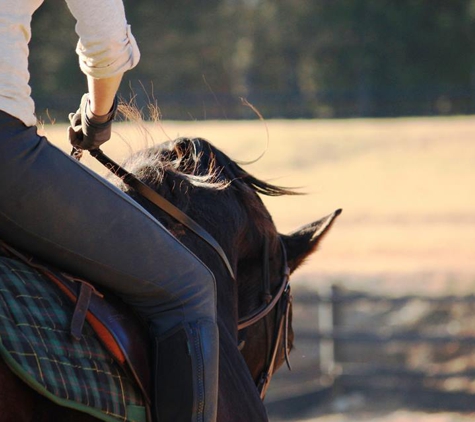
(281, 301)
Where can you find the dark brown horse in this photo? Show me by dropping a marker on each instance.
(223, 198)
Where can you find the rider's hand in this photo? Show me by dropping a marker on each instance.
(88, 131)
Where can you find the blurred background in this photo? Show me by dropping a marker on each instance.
(367, 105)
(292, 58)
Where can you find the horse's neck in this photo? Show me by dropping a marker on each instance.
(237, 403)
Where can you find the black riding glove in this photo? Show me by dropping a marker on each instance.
(84, 133)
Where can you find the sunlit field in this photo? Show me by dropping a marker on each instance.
(407, 189)
(406, 186)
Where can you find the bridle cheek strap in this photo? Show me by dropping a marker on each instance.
(280, 302)
(282, 334)
(286, 330)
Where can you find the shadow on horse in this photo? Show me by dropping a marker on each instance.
(254, 310)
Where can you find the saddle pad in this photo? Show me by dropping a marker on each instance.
(36, 343)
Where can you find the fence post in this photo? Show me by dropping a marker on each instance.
(326, 342)
(337, 321)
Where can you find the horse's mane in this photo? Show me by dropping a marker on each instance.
(201, 163)
(196, 163)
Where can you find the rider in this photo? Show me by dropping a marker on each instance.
(55, 208)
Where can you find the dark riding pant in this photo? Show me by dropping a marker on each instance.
(55, 208)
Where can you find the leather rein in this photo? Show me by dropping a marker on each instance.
(281, 301)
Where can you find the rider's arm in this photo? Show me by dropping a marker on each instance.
(106, 49)
(101, 96)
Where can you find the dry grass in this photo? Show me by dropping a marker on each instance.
(407, 187)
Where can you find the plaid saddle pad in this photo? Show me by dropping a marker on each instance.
(36, 343)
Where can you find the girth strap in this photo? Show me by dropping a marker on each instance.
(80, 310)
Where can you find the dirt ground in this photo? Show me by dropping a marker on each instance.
(407, 189)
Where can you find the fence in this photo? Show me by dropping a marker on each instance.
(422, 347)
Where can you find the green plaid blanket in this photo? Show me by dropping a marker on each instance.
(35, 342)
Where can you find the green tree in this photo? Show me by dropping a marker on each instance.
(290, 58)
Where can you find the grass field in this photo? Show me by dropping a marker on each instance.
(407, 188)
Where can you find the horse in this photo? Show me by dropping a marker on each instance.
(254, 322)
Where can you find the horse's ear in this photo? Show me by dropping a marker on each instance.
(303, 242)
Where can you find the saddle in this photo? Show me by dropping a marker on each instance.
(121, 331)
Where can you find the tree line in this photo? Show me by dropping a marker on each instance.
(289, 58)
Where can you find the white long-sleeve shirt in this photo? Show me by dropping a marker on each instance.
(106, 47)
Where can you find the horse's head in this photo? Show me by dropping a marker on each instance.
(223, 198)
(273, 333)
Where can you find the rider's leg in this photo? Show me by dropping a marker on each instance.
(56, 209)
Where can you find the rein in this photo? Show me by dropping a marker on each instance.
(282, 298)
(159, 201)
